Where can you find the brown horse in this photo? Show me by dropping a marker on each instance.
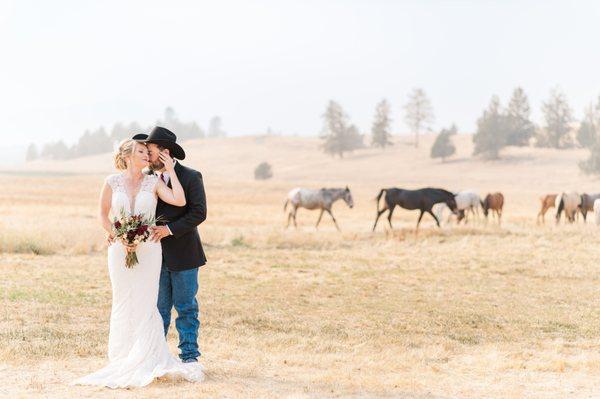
(548, 201)
(493, 202)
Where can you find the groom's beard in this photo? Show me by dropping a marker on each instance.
(157, 166)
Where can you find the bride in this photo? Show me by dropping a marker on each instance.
(137, 347)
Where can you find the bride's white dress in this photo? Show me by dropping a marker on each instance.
(137, 348)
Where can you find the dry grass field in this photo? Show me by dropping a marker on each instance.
(476, 311)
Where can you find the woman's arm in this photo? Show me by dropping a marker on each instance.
(105, 200)
(174, 196)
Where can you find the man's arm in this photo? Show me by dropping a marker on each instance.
(196, 208)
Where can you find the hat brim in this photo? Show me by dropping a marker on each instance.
(174, 148)
(140, 137)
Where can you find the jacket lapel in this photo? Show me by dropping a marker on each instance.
(177, 172)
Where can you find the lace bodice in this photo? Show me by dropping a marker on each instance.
(131, 203)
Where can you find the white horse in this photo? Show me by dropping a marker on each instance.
(466, 201)
(597, 211)
(321, 199)
(569, 203)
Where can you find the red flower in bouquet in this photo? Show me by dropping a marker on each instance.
(132, 230)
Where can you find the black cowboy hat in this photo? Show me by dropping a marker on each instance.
(163, 137)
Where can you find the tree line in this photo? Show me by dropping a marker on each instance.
(497, 127)
(100, 141)
(340, 136)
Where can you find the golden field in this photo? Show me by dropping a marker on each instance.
(476, 311)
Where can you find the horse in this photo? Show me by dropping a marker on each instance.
(597, 211)
(569, 203)
(422, 199)
(321, 199)
(587, 204)
(493, 202)
(548, 201)
(467, 201)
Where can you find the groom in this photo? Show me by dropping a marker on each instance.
(181, 247)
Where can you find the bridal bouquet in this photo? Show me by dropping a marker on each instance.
(132, 230)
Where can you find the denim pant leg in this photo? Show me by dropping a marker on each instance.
(165, 297)
(185, 288)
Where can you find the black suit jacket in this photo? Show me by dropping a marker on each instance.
(183, 250)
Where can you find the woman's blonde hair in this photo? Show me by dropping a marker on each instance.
(123, 152)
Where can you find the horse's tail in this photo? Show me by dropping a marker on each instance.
(383, 190)
(287, 201)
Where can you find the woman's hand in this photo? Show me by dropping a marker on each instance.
(128, 247)
(167, 161)
(110, 238)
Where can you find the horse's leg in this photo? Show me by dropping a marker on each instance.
(334, 221)
(379, 213)
(288, 219)
(319, 219)
(419, 221)
(389, 218)
(436, 219)
(295, 211)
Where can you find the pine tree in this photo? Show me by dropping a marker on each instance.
(195, 131)
(558, 117)
(419, 112)
(592, 164)
(520, 128)
(443, 147)
(57, 150)
(134, 128)
(338, 135)
(32, 153)
(120, 132)
(491, 131)
(380, 131)
(214, 127)
(587, 132)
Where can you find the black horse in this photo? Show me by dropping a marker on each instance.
(422, 199)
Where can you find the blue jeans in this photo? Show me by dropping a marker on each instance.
(179, 289)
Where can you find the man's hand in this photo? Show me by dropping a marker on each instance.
(159, 232)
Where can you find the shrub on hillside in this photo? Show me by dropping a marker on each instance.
(263, 171)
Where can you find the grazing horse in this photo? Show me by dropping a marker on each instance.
(467, 201)
(493, 202)
(422, 199)
(569, 203)
(587, 204)
(597, 212)
(321, 199)
(548, 201)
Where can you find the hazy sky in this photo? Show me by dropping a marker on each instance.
(71, 65)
